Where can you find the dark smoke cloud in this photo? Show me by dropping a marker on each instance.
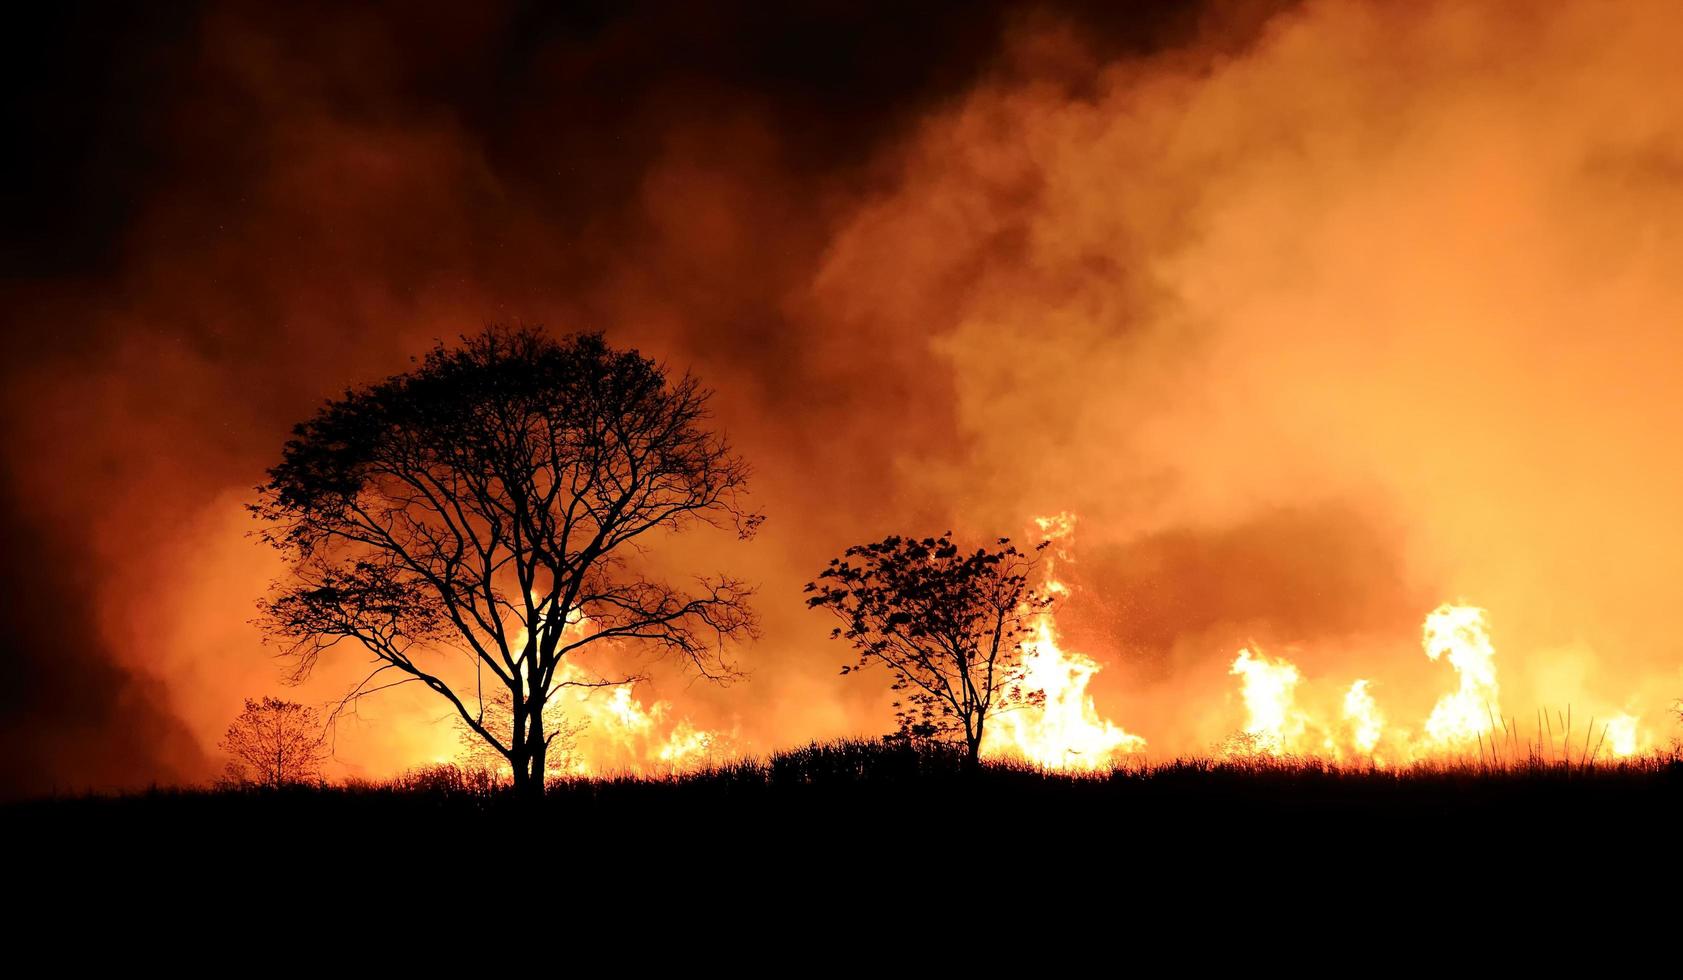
(70, 716)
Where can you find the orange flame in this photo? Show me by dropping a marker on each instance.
(1274, 726)
(1066, 731)
(1460, 635)
(1463, 721)
(1362, 715)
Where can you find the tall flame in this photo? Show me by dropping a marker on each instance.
(1362, 715)
(1274, 725)
(1460, 635)
(1066, 731)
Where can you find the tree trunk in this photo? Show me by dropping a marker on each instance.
(529, 762)
(973, 751)
(522, 773)
(520, 754)
(539, 767)
(539, 749)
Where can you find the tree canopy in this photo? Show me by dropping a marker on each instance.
(948, 623)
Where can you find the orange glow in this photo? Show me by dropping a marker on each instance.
(1623, 738)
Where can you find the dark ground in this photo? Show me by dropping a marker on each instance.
(908, 822)
(852, 858)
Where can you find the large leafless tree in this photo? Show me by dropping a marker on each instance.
(495, 501)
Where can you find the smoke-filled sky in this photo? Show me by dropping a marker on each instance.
(1317, 315)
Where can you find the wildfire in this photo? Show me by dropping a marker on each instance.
(1066, 731)
(607, 728)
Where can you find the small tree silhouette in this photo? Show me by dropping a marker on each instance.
(274, 743)
(948, 624)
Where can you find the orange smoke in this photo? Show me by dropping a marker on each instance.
(1371, 313)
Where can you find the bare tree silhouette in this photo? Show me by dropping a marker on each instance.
(274, 742)
(948, 624)
(493, 502)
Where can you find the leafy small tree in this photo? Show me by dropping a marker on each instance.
(494, 503)
(949, 625)
(275, 743)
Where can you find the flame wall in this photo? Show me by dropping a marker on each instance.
(1317, 315)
